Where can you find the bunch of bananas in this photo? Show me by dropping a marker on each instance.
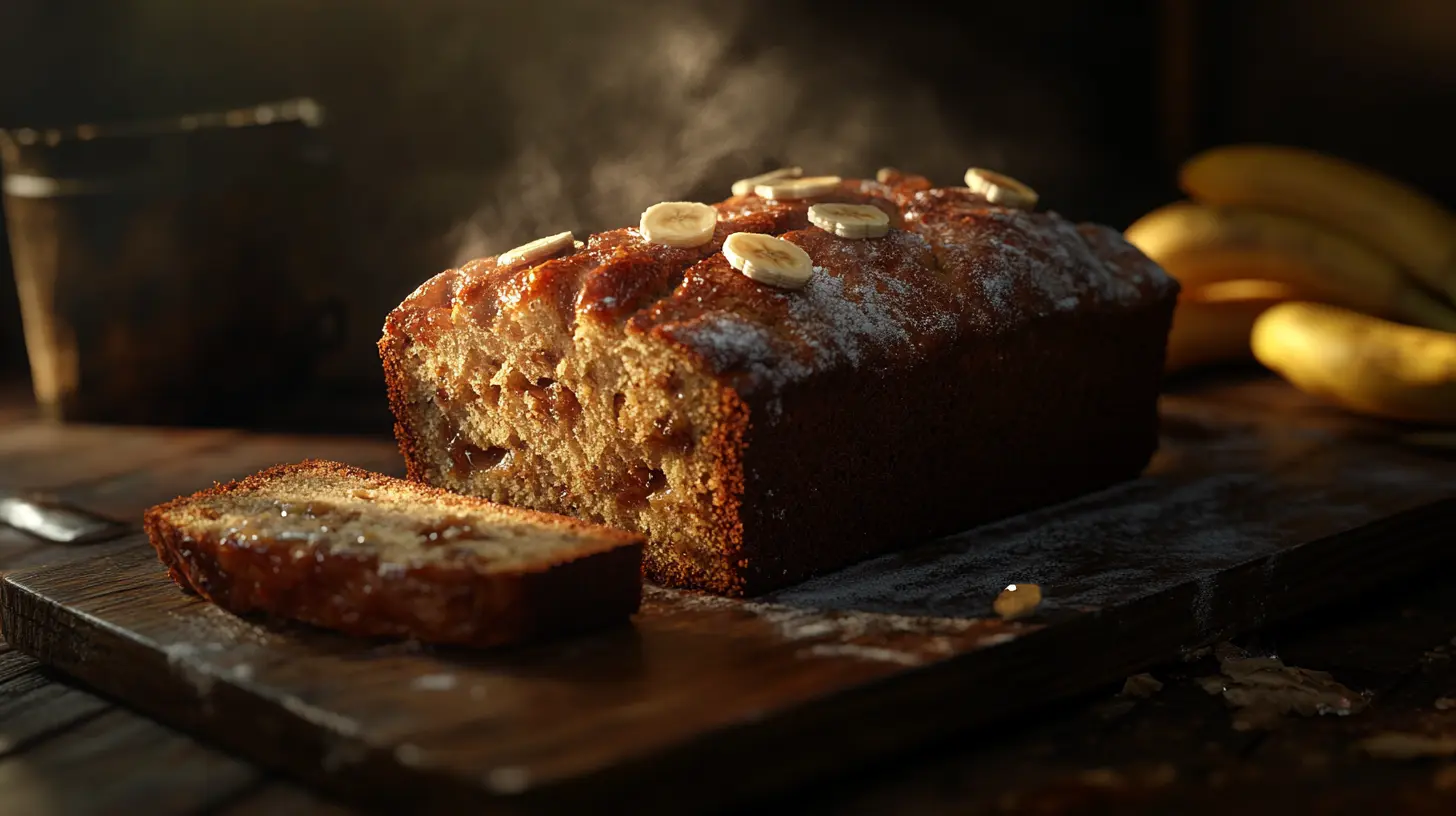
(1337, 277)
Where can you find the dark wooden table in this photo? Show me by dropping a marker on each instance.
(1177, 748)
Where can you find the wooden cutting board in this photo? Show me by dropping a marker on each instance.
(1259, 506)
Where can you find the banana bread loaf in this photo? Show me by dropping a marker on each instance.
(955, 362)
(369, 555)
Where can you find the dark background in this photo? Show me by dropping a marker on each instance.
(464, 128)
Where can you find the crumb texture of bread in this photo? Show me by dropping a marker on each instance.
(975, 362)
(370, 555)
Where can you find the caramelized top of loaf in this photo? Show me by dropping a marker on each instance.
(953, 265)
(343, 510)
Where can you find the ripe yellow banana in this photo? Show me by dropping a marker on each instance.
(1200, 245)
(1401, 222)
(1206, 332)
(1366, 364)
(1242, 290)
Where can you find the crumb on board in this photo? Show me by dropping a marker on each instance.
(1400, 745)
(1017, 600)
(1262, 690)
(433, 682)
(1142, 686)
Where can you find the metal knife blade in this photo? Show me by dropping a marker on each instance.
(53, 520)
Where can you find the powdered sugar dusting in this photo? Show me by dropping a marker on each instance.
(1023, 265)
(867, 303)
(853, 324)
(731, 342)
(1125, 263)
(865, 316)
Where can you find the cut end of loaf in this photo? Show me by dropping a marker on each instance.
(367, 554)
(581, 418)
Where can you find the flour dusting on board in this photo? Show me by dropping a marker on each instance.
(434, 682)
(217, 625)
(805, 623)
(846, 633)
(182, 658)
(873, 653)
(1203, 602)
(337, 723)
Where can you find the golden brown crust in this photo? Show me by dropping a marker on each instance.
(956, 267)
(391, 353)
(445, 601)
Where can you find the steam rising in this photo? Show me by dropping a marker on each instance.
(620, 108)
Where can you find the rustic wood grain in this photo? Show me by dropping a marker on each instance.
(19, 550)
(36, 708)
(1249, 515)
(33, 706)
(126, 496)
(35, 553)
(46, 456)
(1176, 750)
(119, 472)
(95, 771)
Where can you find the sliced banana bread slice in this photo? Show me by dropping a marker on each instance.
(369, 555)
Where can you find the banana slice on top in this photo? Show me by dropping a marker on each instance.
(745, 186)
(684, 224)
(797, 188)
(538, 250)
(850, 220)
(769, 260)
(1001, 189)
